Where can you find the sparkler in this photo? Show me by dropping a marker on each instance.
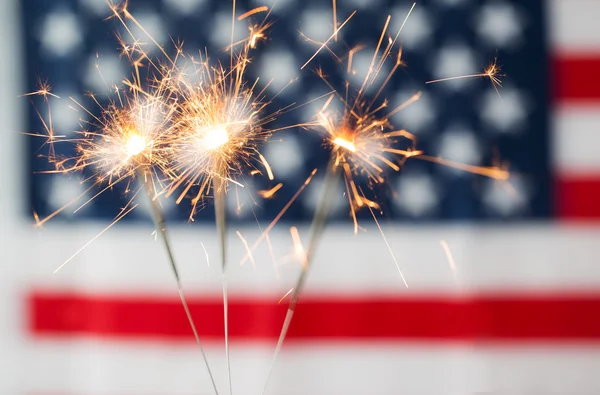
(361, 142)
(358, 141)
(218, 129)
(219, 124)
(133, 140)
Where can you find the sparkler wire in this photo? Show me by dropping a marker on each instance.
(221, 222)
(319, 221)
(160, 223)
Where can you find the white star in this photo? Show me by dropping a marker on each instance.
(418, 116)
(153, 24)
(416, 32)
(102, 73)
(417, 194)
(316, 24)
(278, 67)
(459, 144)
(314, 190)
(351, 5)
(66, 115)
(454, 60)
(96, 7)
(63, 190)
(507, 197)
(188, 66)
(60, 33)
(508, 113)
(500, 25)
(185, 7)
(452, 3)
(285, 156)
(221, 29)
(360, 68)
(314, 106)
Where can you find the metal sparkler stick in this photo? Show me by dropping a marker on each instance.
(160, 223)
(319, 221)
(221, 222)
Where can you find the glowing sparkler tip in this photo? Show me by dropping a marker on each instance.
(135, 145)
(340, 142)
(215, 137)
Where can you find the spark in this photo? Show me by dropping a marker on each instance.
(387, 244)
(451, 262)
(267, 167)
(94, 238)
(44, 90)
(265, 233)
(271, 192)
(334, 4)
(329, 39)
(256, 10)
(494, 172)
(205, 254)
(239, 234)
(285, 296)
(492, 71)
(298, 248)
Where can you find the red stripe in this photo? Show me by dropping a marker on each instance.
(447, 319)
(578, 197)
(574, 82)
(574, 78)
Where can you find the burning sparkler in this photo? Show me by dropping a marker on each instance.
(362, 142)
(219, 124)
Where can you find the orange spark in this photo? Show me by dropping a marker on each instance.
(256, 10)
(239, 234)
(492, 72)
(286, 295)
(269, 193)
(267, 167)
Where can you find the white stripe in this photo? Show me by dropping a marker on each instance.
(12, 176)
(576, 136)
(127, 259)
(573, 25)
(87, 367)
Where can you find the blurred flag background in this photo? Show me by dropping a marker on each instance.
(518, 314)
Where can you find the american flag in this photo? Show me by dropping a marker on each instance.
(517, 315)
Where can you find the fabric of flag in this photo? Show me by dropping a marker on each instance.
(513, 311)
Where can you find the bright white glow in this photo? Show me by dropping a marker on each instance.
(215, 137)
(344, 143)
(135, 145)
